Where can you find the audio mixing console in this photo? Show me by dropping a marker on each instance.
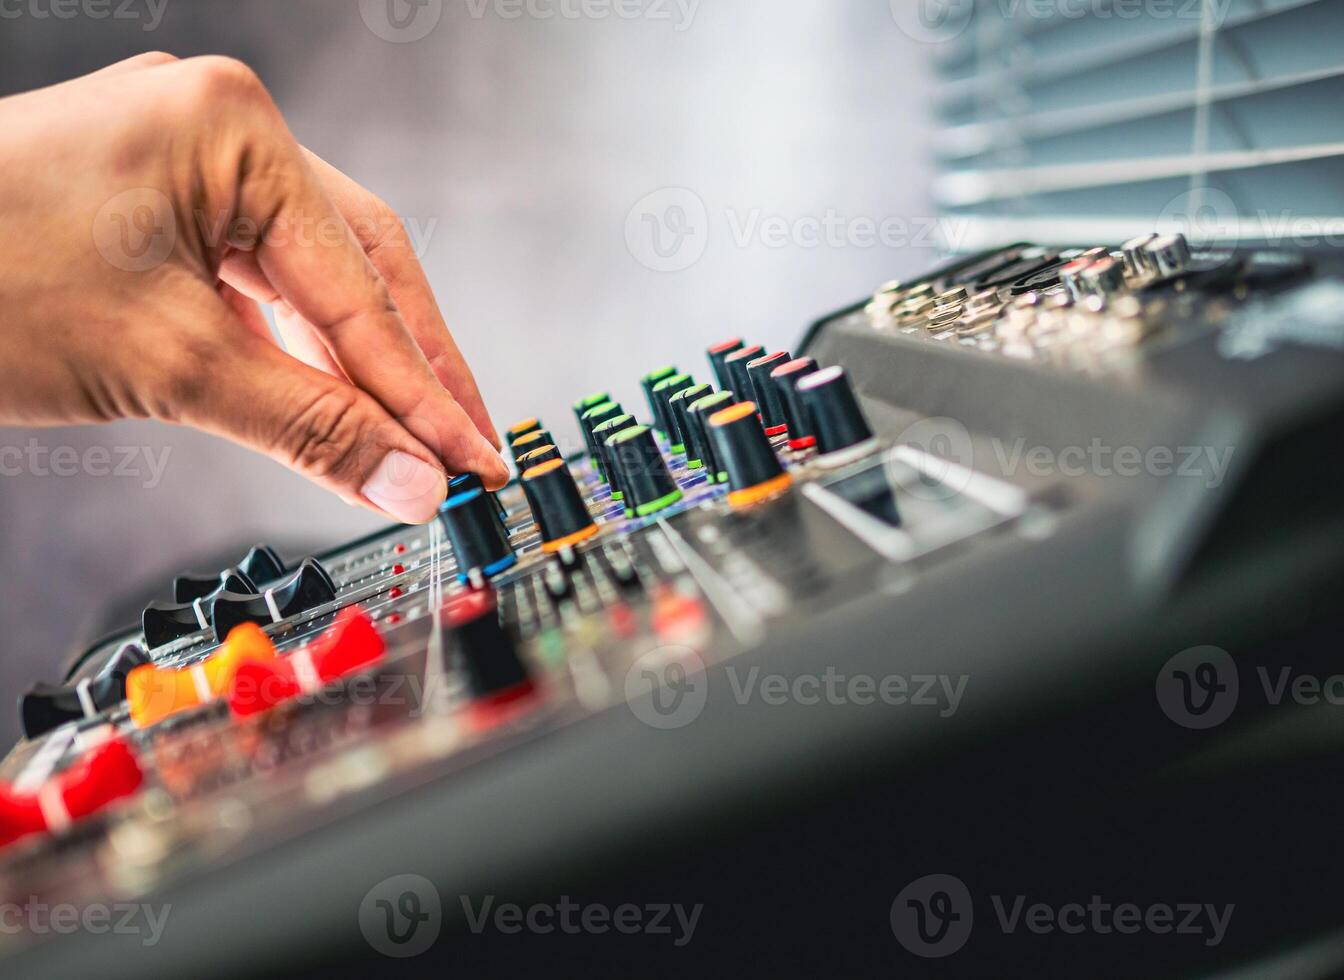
(1028, 479)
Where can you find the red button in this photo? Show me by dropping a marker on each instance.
(104, 775)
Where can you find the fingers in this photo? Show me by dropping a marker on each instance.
(319, 426)
(383, 237)
(314, 264)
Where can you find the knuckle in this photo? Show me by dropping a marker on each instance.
(324, 437)
(220, 79)
(151, 59)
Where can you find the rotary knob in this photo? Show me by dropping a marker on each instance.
(542, 454)
(602, 435)
(1168, 255)
(744, 452)
(718, 354)
(48, 706)
(739, 379)
(533, 440)
(785, 378)
(1135, 258)
(697, 414)
(521, 429)
(589, 401)
(643, 473)
(663, 392)
(485, 653)
(648, 383)
(557, 506)
(592, 418)
(843, 434)
(680, 404)
(479, 540)
(306, 588)
(766, 394)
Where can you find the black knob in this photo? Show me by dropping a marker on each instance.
(591, 401)
(533, 440)
(644, 478)
(718, 354)
(306, 588)
(649, 382)
(680, 405)
(478, 646)
(592, 418)
(697, 415)
(602, 436)
(738, 376)
(536, 457)
(48, 706)
(663, 392)
(785, 378)
(261, 565)
(745, 454)
(470, 481)
(766, 394)
(835, 413)
(557, 506)
(163, 622)
(516, 432)
(479, 539)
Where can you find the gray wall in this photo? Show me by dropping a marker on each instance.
(517, 148)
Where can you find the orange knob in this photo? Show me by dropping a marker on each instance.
(154, 693)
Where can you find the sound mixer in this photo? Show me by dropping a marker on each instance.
(260, 565)
(164, 622)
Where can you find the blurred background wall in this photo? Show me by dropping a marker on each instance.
(777, 148)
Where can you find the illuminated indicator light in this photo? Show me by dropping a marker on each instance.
(394, 618)
(395, 593)
(399, 549)
(398, 569)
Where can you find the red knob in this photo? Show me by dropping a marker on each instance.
(105, 774)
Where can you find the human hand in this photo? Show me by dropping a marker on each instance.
(148, 208)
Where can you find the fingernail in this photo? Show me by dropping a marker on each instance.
(407, 487)
(491, 467)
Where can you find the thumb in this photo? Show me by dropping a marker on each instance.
(323, 428)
